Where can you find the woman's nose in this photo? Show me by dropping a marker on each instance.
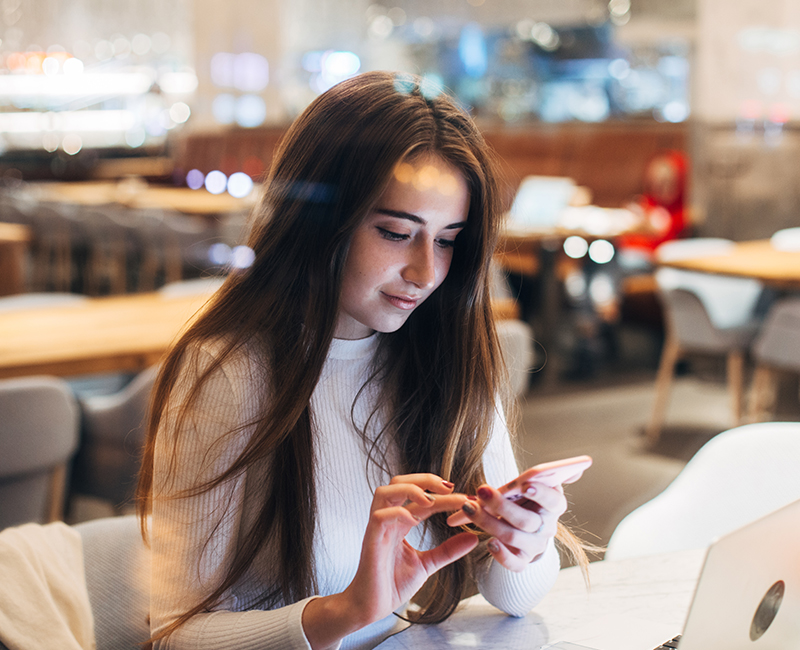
(420, 267)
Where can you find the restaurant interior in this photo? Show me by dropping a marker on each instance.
(135, 138)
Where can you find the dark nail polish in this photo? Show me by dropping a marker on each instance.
(493, 545)
(484, 493)
(448, 485)
(472, 497)
(469, 509)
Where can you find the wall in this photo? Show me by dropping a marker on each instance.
(745, 140)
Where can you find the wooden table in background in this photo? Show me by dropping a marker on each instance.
(142, 195)
(750, 259)
(14, 241)
(121, 333)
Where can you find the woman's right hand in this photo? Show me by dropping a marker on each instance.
(390, 570)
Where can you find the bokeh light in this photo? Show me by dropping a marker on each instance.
(72, 143)
(195, 179)
(240, 185)
(179, 112)
(242, 257)
(575, 247)
(601, 251)
(250, 110)
(216, 182)
(224, 108)
(431, 86)
(219, 253)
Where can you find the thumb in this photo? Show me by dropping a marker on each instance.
(448, 551)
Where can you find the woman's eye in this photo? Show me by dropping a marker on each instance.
(392, 236)
(446, 243)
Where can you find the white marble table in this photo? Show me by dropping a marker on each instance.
(633, 604)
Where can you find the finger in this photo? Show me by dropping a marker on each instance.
(426, 481)
(502, 554)
(514, 513)
(508, 534)
(549, 498)
(399, 494)
(389, 525)
(442, 503)
(448, 551)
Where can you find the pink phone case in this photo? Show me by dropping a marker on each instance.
(557, 472)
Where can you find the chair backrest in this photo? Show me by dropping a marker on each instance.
(107, 463)
(778, 340)
(735, 478)
(117, 567)
(39, 426)
(729, 302)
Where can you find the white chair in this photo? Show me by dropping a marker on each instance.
(117, 568)
(515, 336)
(786, 239)
(775, 349)
(705, 314)
(735, 478)
(516, 342)
(39, 422)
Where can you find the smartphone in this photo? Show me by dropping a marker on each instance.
(552, 474)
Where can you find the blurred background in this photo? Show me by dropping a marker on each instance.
(103, 102)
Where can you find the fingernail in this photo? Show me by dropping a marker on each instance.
(448, 485)
(469, 509)
(484, 493)
(431, 498)
(472, 497)
(494, 547)
(531, 490)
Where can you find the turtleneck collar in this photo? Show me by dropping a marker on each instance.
(353, 349)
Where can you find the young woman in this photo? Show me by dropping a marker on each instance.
(333, 400)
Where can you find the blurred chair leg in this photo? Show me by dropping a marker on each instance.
(735, 384)
(763, 395)
(666, 370)
(58, 482)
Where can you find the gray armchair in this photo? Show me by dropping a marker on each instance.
(39, 423)
(776, 349)
(113, 430)
(705, 314)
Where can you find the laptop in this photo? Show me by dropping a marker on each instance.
(748, 593)
(540, 201)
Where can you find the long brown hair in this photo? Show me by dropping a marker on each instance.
(441, 373)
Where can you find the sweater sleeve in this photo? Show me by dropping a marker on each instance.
(193, 538)
(514, 593)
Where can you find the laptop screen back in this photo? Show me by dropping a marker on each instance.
(748, 595)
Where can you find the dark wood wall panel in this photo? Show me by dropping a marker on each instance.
(607, 158)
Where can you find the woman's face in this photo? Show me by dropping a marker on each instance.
(402, 250)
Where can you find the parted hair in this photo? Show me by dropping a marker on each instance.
(440, 374)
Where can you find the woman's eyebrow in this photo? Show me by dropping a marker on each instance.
(399, 214)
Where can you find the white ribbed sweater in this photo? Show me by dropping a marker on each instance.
(184, 569)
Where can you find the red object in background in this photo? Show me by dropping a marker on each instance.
(663, 202)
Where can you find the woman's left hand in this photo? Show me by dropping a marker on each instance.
(520, 530)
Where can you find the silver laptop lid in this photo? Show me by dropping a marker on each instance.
(748, 594)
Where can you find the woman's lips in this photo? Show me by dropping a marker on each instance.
(402, 302)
